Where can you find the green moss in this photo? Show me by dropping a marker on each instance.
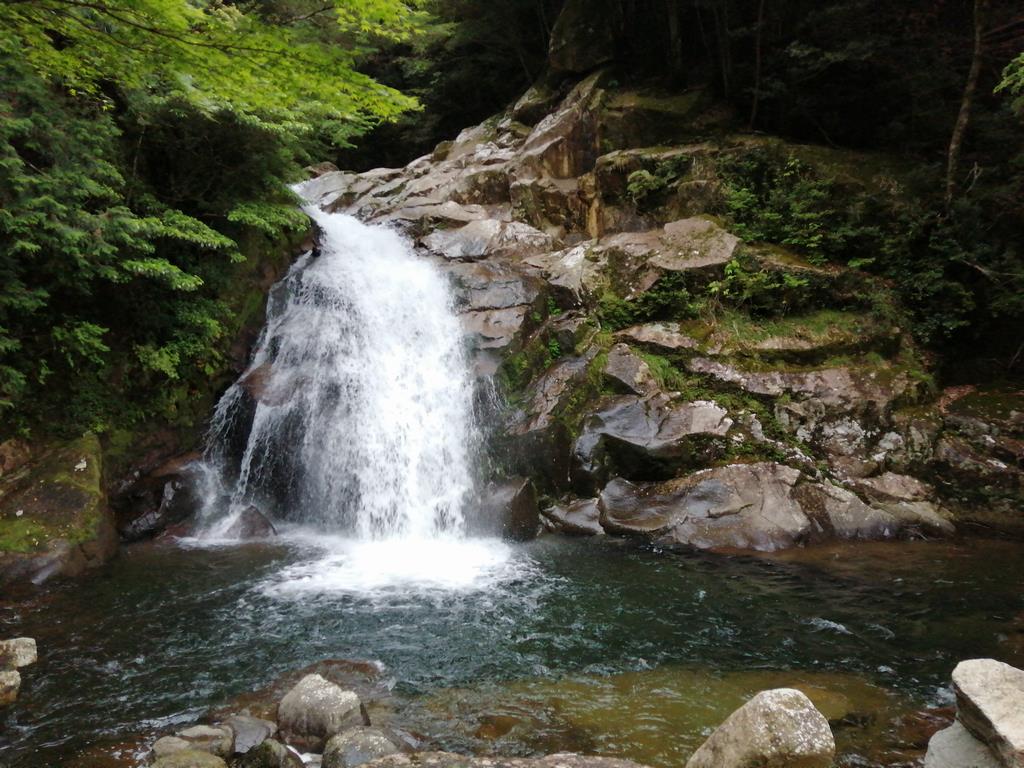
(60, 497)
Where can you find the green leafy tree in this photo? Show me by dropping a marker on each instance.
(145, 148)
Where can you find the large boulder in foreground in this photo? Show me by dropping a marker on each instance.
(452, 760)
(779, 728)
(189, 759)
(955, 747)
(990, 704)
(315, 710)
(54, 518)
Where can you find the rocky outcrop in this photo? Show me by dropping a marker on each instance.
(761, 506)
(315, 710)
(779, 727)
(646, 353)
(54, 519)
(990, 705)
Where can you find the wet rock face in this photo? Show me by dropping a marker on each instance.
(509, 509)
(251, 524)
(779, 727)
(451, 760)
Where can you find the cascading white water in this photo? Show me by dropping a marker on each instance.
(363, 422)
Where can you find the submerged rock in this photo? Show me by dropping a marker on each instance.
(315, 710)
(189, 758)
(214, 740)
(356, 747)
(269, 754)
(990, 704)
(10, 684)
(251, 524)
(779, 727)
(451, 760)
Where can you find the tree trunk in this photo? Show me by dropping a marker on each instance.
(757, 64)
(675, 41)
(964, 117)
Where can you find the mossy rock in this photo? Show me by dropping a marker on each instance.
(54, 517)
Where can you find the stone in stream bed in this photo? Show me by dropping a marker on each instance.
(189, 758)
(10, 684)
(315, 710)
(990, 704)
(249, 732)
(357, 746)
(779, 727)
(269, 754)
(18, 652)
(214, 740)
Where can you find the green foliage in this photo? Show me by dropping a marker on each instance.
(648, 189)
(668, 299)
(758, 290)
(1013, 82)
(775, 198)
(145, 149)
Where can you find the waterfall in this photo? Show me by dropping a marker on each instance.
(354, 416)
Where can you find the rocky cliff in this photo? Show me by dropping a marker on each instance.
(660, 376)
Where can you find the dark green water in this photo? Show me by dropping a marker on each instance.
(548, 651)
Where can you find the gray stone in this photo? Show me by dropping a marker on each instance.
(269, 754)
(626, 433)
(249, 732)
(355, 747)
(10, 684)
(215, 740)
(955, 747)
(489, 238)
(740, 506)
(668, 336)
(18, 652)
(315, 710)
(779, 728)
(990, 704)
(627, 371)
(581, 517)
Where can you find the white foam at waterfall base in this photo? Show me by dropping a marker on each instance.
(406, 566)
(363, 428)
